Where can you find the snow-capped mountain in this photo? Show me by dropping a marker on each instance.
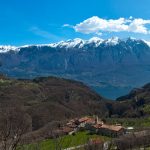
(5, 49)
(77, 43)
(111, 66)
(147, 42)
(112, 41)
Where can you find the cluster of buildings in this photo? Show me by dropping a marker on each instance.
(94, 125)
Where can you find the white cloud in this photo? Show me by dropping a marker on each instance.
(98, 25)
(67, 25)
(99, 33)
(138, 26)
(43, 33)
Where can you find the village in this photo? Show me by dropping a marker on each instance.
(94, 125)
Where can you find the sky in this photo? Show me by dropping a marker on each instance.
(24, 22)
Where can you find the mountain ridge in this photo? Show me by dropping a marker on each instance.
(120, 64)
(73, 43)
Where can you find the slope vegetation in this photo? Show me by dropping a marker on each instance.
(51, 99)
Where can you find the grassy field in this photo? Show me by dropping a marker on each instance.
(65, 142)
(82, 137)
(135, 122)
(146, 109)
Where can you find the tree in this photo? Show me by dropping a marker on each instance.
(14, 122)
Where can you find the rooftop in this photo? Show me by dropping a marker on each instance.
(84, 119)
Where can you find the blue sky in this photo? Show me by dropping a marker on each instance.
(42, 21)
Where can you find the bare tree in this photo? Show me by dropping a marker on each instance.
(134, 141)
(57, 139)
(14, 122)
(94, 145)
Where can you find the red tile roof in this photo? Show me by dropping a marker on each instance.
(90, 121)
(83, 119)
(110, 127)
(97, 126)
(67, 129)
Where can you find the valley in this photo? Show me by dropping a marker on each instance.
(50, 102)
(48, 85)
(74, 75)
(96, 62)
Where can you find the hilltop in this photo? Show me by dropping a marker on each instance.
(51, 99)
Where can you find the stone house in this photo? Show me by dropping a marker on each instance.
(108, 130)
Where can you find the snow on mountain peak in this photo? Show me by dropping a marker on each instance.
(132, 38)
(69, 43)
(96, 40)
(147, 42)
(76, 43)
(112, 41)
(4, 49)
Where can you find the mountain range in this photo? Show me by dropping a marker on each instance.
(111, 67)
